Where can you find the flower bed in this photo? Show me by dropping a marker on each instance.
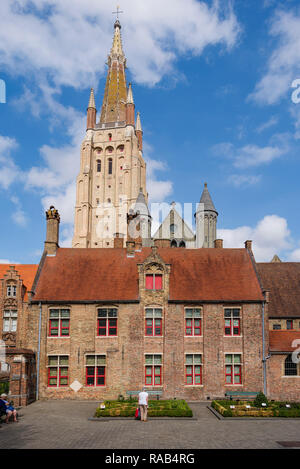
(169, 408)
(272, 409)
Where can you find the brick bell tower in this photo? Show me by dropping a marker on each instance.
(112, 167)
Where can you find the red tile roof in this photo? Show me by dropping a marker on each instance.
(109, 275)
(26, 271)
(282, 279)
(281, 341)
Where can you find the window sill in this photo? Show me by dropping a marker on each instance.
(106, 336)
(59, 337)
(298, 376)
(193, 336)
(194, 385)
(153, 336)
(240, 385)
(233, 336)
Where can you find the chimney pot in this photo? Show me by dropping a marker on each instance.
(52, 236)
(218, 244)
(248, 245)
(162, 243)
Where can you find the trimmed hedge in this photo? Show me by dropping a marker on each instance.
(274, 409)
(170, 408)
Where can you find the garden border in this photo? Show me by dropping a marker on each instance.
(266, 419)
(109, 419)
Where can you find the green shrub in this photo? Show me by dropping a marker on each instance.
(260, 399)
(4, 387)
(168, 408)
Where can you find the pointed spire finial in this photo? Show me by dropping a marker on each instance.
(92, 103)
(138, 125)
(130, 95)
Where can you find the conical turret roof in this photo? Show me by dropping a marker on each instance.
(141, 204)
(206, 200)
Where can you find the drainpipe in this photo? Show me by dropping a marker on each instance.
(38, 354)
(263, 349)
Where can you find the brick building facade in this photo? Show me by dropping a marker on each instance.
(133, 312)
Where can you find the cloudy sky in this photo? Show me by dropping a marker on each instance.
(218, 87)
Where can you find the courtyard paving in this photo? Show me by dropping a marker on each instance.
(65, 425)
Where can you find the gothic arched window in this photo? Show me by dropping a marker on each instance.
(98, 166)
(182, 244)
(173, 244)
(290, 368)
(110, 166)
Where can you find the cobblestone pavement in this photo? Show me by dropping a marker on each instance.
(56, 424)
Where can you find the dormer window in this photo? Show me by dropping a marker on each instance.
(11, 291)
(154, 282)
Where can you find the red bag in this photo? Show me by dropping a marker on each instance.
(137, 414)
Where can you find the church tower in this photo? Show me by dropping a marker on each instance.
(112, 168)
(206, 221)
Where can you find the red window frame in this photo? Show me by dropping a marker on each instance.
(193, 327)
(108, 327)
(154, 282)
(60, 327)
(63, 376)
(291, 323)
(153, 327)
(233, 374)
(153, 375)
(52, 377)
(193, 375)
(58, 377)
(53, 328)
(232, 327)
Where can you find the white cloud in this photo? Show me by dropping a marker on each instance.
(244, 180)
(9, 172)
(18, 215)
(284, 63)
(266, 125)
(252, 155)
(68, 40)
(158, 190)
(270, 236)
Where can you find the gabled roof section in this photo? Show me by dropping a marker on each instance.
(282, 341)
(26, 271)
(282, 279)
(213, 275)
(184, 230)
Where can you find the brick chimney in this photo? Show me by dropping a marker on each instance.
(162, 243)
(52, 236)
(118, 241)
(218, 243)
(130, 247)
(248, 245)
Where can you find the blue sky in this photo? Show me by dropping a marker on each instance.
(213, 82)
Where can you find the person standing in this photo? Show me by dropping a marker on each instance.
(143, 404)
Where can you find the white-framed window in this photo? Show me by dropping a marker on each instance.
(58, 371)
(11, 290)
(10, 319)
(153, 370)
(95, 370)
(193, 322)
(193, 369)
(153, 322)
(233, 368)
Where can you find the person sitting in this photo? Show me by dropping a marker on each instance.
(9, 409)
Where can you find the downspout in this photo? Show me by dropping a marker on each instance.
(263, 349)
(38, 354)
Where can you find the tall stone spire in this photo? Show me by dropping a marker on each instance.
(112, 167)
(91, 112)
(206, 221)
(139, 131)
(115, 95)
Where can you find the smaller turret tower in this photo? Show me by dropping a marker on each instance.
(206, 221)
